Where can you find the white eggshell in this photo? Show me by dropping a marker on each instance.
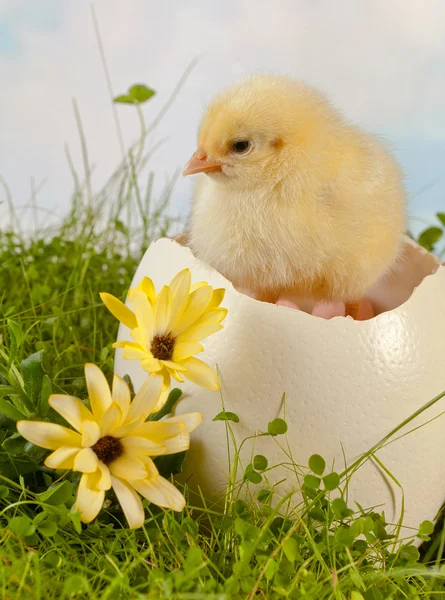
(347, 384)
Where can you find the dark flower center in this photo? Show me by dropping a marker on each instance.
(108, 449)
(162, 347)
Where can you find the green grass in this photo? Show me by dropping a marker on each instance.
(252, 545)
(319, 548)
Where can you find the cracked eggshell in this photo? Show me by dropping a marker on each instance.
(347, 384)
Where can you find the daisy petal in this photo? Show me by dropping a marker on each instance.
(128, 468)
(177, 444)
(86, 461)
(185, 349)
(180, 287)
(165, 390)
(130, 502)
(111, 419)
(150, 467)
(127, 428)
(132, 350)
(71, 409)
(163, 310)
(104, 482)
(173, 366)
(140, 446)
(206, 325)
(119, 310)
(63, 458)
(197, 285)
(190, 421)
(121, 395)
(158, 431)
(89, 499)
(146, 398)
(176, 375)
(151, 365)
(160, 492)
(196, 305)
(98, 390)
(201, 374)
(143, 310)
(90, 433)
(48, 435)
(217, 298)
(147, 286)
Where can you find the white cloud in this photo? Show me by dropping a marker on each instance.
(382, 63)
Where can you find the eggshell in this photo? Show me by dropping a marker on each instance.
(347, 384)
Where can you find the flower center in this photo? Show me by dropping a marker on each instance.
(162, 347)
(108, 449)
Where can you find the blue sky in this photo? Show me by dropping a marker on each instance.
(382, 64)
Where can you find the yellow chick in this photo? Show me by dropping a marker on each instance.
(294, 198)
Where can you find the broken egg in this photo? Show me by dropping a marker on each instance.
(347, 384)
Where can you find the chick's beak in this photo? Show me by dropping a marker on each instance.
(199, 163)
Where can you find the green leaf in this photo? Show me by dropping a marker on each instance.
(290, 549)
(317, 464)
(51, 560)
(8, 409)
(103, 354)
(409, 553)
(429, 237)
(120, 227)
(425, 529)
(75, 519)
(226, 416)
(4, 491)
(312, 482)
(331, 481)
(264, 496)
(141, 93)
(21, 526)
(340, 508)
(277, 427)
(344, 536)
(318, 515)
(128, 381)
(193, 560)
(14, 444)
(76, 586)
(272, 568)
(137, 94)
(33, 372)
(16, 336)
(125, 99)
(171, 464)
(16, 465)
(47, 528)
(441, 217)
(35, 453)
(169, 405)
(45, 393)
(59, 494)
(240, 507)
(251, 475)
(260, 462)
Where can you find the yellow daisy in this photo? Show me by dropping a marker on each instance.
(167, 327)
(112, 445)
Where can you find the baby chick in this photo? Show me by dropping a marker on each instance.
(294, 200)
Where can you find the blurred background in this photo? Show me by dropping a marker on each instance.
(382, 63)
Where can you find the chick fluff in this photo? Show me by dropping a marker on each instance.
(293, 198)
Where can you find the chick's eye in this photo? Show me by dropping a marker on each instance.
(241, 146)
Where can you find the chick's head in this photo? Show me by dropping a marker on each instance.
(257, 128)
